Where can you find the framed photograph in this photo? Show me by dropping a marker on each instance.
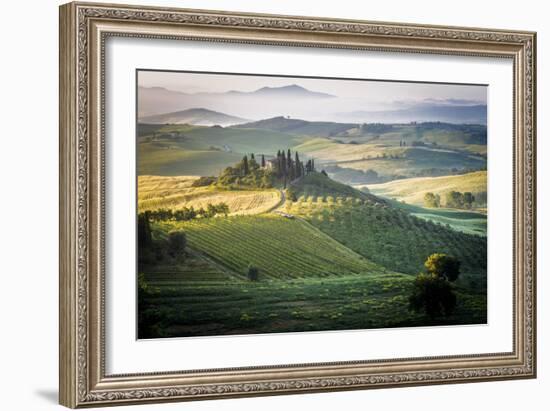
(259, 204)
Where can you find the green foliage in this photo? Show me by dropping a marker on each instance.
(244, 165)
(432, 200)
(443, 266)
(468, 200)
(291, 194)
(277, 246)
(256, 177)
(464, 221)
(432, 295)
(177, 241)
(455, 199)
(194, 301)
(391, 237)
(203, 181)
(319, 185)
(185, 213)
(253, 273)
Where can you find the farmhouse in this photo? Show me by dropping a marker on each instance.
(271, 164)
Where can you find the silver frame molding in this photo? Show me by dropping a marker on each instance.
(84, 27)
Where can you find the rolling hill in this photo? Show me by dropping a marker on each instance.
(299, 127)
(342, 260)
(157, 192)
(384, 232)
(194, 116)
(412, 190)
(184, 149)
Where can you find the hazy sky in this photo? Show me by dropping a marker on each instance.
(378, 92)
(354, 100)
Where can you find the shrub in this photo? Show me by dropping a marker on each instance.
(176, 244)
(432, 295)
(253, 273)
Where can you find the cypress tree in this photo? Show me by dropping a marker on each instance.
(252, 156)
(297, 164)
(283, 162)
(263, 161)
(245, 165)
(288, 160)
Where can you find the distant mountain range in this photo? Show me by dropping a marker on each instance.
(158, 100)
(456, 114)
(292, 90)
(299, 102)
(194, 116)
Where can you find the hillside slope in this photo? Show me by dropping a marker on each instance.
(280, 247)
(194, 116)
(299, 127)
(412, 190)
(382, 232)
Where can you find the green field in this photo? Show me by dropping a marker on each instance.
(327, 255)
(171, 150)
(281, 248)
(308, 282)
(182, 307)
(389, 235)
(468, 222)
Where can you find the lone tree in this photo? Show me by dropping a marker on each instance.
(432, 200)
(443, 266)
(433, 291)
(253, 273)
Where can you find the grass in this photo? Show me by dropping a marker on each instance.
(195, 308)
(155, 192)
(416, 159)
(368, 155)
(391, 237)
(318, 185)
(342, 259)
(171, 150)
(464, 221)
(202, 151)
(171, 160)
(281, 248)
(412, 190)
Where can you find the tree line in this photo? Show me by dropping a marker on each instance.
(185, 213)
(453, 199)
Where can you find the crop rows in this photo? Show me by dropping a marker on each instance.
(391, 237)
(279, 247)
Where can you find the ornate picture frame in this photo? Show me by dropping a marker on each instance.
(84, 28)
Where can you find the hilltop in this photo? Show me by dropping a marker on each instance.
(299, 127)
(194, 116)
